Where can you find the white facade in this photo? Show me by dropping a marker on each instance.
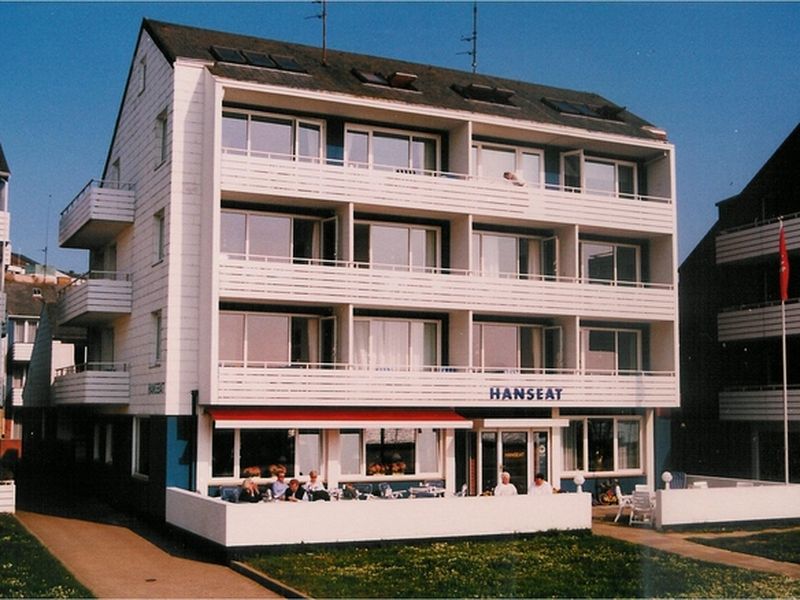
(280, 258)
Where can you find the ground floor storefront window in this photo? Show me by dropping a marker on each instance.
(603, 445)
(260, 452)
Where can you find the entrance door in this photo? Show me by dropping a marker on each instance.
(522, 453)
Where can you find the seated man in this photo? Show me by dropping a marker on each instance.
(294, 493)
(250, 491)
(505, 487)
(315, 488)
(540, 487)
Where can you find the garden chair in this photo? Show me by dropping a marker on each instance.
(386, 491)
(642, 508)
(624, 501)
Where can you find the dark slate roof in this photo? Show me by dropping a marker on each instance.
(3, 164)
(20, 300)
(433, 84)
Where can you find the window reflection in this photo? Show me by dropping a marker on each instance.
(396, 151)
(393, 245)
(395, 343)
(269, 339)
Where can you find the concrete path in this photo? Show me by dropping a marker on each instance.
(116, 556)
(677, 543)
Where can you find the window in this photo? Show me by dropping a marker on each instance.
(108, 454)
(270, 136)
(25, 330)
(162, 139)
(141, 446)
(251, 234)
(504, 255)
(503, 347)
(496, 162)
(388, 246)
(142, 74)
(603, 445)
(391, 150)
(600, 176)
(114, 174)
(264, 450)
(159, 236)
(402, 344)
(611, 263)
(268, 340)
(611, 351)
(401, 451)
(157, 338)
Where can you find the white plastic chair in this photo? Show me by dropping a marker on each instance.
(642, 508)
(700, 484)
(624, 500)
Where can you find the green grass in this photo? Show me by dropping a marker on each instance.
(563, 565)
(27, 570)
(777, 545)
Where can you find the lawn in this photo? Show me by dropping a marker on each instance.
(562, 565)
(777, 545)
(27, 570)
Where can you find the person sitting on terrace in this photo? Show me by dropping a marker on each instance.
(315, 488)
(540, 486)
(250, 491)
(279, 486)
(505, 487)
(294, 493)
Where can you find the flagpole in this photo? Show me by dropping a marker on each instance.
(785, 398)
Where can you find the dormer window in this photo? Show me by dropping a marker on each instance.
(485, 93)
(398, 80)
(606, 112)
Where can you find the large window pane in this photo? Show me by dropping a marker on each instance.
(267, 449)
(627, 180)
(361, 352)
(357, 148)
(271, 136)
(305, 243)
(231, 338)
(350, 441)
(309, 451)
(627, 350)
(499, 255)
(600, 178)
(531, 168)
(389, 245)
(267, 339)
(222, 453)
(389, 451)
(428, 450)
(500, 346)
(598, 261)
(390, 150)
(488, 460)
(572, 171)
(269, 235)
(600, 350)
(308, 141)
(627, 264)
(234, 132)
(573, 446)
(305, 340)
(628, 444)
(423, 154)
(601, 444)
(232, 233)
(494, 162)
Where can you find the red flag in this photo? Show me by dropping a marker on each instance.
(784, 268)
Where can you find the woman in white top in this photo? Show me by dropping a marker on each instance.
(505, 488)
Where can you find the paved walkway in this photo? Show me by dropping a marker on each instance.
(677, 543)
(118, 556)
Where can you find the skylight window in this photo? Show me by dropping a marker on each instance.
(287, 63)
(369, 77)
(228, 55)
(399, 80)
(581, 109)
(485, 93)
(259, 59)
(256, 59)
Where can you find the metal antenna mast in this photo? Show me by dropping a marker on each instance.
(324, 16)
(473, 38)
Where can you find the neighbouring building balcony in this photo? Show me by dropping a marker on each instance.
(97, 214)
(758, 321)
(437, 191)
(340, 384)
(5, 226)
(20, 351)
(95, 298)
(757, 239)
(97, 383)
(761, 403)
(15, 396)
(381, 286)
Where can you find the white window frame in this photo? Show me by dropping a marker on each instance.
(615, 245)
(410, 133)
(362, 459)
(292, 217)
(616, 330)
(142, 74)
(158, 338)
(617, 163)
(136, 449)
(371, 352)
(161, 138)
(616, 471)
(296, 123)
(478, 147)
(408, 227)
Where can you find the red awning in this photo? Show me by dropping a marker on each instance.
(336, 418)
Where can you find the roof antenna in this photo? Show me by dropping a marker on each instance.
(473, 38)
(324, 16)
(47, 231)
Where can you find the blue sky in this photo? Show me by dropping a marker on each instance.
(722, 78)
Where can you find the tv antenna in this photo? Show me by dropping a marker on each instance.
(323, 15)
(47, 230)
(473, 38)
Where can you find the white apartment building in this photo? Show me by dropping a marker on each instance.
(381, 270)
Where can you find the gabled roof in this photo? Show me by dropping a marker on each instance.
(20, 298)
(4, 170)
(433, 86)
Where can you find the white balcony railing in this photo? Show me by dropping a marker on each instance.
(15, 396)
(440, 386)
(758, 321)
(96, 297)
(279, 279)
(763, 403)
(98, 383)
(21, 351)
(757, 239)
(278, 177)
(96, 215)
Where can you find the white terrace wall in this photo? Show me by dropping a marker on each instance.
(286, 523)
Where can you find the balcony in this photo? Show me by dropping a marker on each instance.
(458, 387)
(20, 351)
(757, 240)
(96, 215)
(5, 226)
(758, 321)
(382, 286)
(764, 403)
(275, 177)
(14, 397)
(96, 298)
(101, 383)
